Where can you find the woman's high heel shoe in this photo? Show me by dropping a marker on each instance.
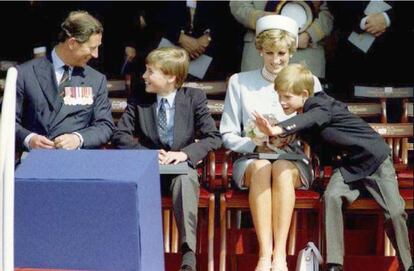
(264, 264)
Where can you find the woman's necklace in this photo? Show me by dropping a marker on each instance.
(268, 76)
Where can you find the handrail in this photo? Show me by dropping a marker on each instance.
(7, 152)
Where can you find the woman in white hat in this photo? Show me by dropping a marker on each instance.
(271, 183)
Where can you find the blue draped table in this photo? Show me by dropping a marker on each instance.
(89, 209)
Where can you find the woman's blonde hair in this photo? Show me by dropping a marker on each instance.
(171, 61)
(294, 78)
(274, 39)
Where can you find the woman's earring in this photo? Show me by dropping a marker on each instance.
(261, 54)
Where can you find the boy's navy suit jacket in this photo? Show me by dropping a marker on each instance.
(332, 131)
(192, 121)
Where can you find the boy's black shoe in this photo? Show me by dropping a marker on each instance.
(187, 268)
(334, 267)
(188, 261)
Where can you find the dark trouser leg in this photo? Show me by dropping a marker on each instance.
(185, 192)
(336, 190)
(383, 186)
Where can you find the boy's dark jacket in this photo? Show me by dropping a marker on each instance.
(334, 132)
(192, 121)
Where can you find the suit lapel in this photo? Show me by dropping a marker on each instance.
(150, 118)
(47, 80)
(180, 118)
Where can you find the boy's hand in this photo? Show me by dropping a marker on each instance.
(171, 157)
(264, 126)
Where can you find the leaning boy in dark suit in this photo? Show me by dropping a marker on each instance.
(169, 120)
(365, 159)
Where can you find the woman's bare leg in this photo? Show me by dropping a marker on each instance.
(257, 178)
(285, 178)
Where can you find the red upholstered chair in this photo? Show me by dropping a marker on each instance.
(232, 200)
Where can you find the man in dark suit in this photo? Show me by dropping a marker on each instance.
(381, 64)
(199, 27)
(61, 101)
(360, 156)
(169, 120)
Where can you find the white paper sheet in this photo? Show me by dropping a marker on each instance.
(198, 67)
(362, 41)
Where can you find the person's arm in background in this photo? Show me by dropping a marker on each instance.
(347, 15)
(320, 28)
(169, 18)
(246, 14)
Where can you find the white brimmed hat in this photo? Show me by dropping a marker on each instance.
(277, 22)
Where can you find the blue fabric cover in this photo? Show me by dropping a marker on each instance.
(89, 209)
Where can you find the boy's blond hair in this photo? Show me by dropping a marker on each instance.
(171, 61)
(275, 39)
(294, 78)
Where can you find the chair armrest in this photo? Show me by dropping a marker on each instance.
(209, 174)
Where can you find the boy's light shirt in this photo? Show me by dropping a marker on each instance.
(170, 112)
